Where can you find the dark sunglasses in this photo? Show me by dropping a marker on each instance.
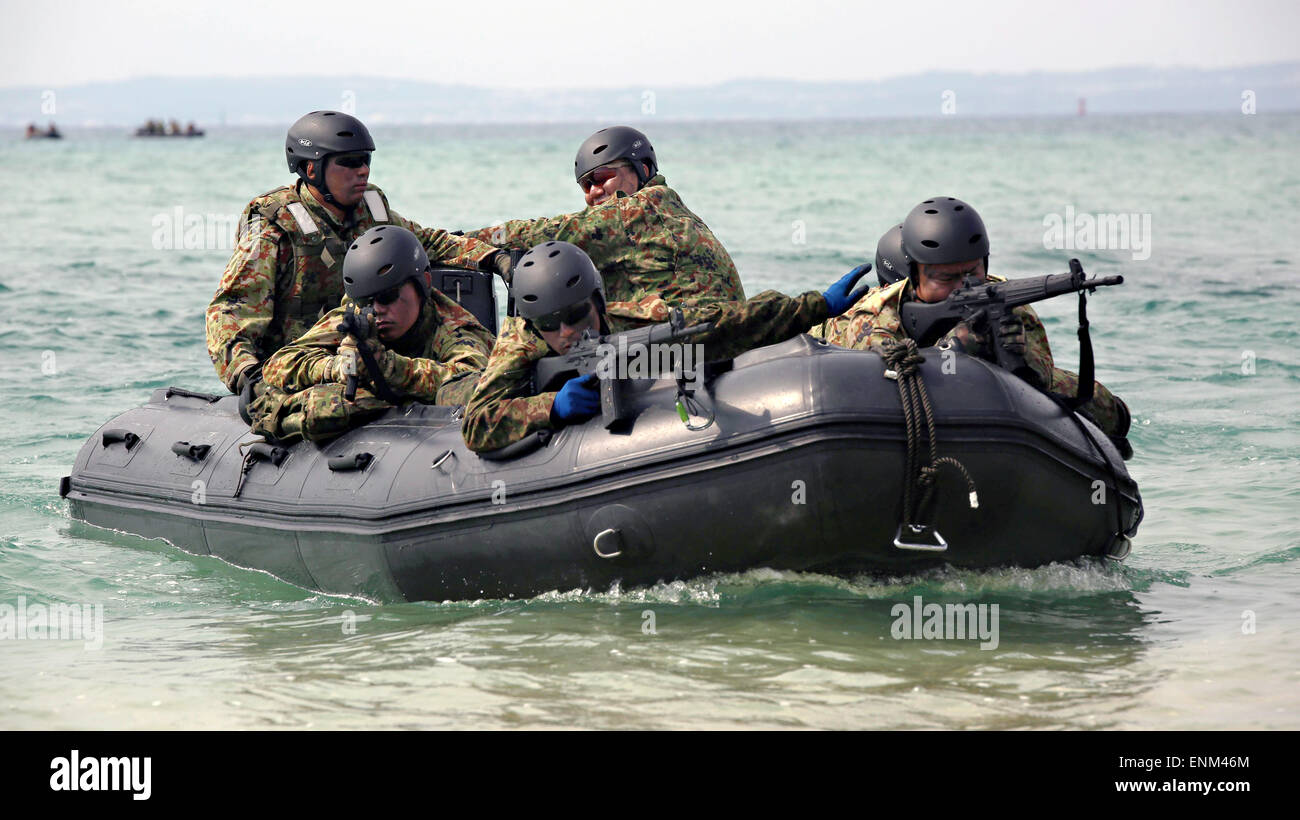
(600, 176)
(353, 160)
(570, 316)
(384, 297)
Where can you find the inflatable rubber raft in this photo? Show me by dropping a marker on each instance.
(803, 469)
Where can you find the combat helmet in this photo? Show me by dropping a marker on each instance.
(611, 144)
(384, 257)
(316, 136)
(891, 262)
(553, 276)
(943, 230)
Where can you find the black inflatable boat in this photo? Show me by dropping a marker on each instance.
(803, 469)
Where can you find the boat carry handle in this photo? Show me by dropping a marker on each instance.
(261, 449)
(194, 452)
(921, 537)
(125, 436)
(210, 398)
(608, 543)
(357, 461)
(522, 447)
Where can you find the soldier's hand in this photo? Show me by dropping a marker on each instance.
(503, 266)
(969, 340)
(838, 298)
(1012, 335)
(578, 400)
(358, 323)
(345, 364)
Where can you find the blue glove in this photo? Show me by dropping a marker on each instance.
(838, 298)
(578, 400)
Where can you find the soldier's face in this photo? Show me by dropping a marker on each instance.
(605, 181)
(935, 282)
(347, 184)
(394, 319)
(561, 340)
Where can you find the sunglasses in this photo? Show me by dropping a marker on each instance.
(353, 160)
(570, 316)
(384, 297)
(600, 176)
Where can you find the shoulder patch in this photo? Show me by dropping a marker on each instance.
(375, 203)
(300, 215)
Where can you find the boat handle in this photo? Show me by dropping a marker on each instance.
(261, 449)
(125, 436)
(194, 452)
(609, 537)
(915, 532)
(358, 461)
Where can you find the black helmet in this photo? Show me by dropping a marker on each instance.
(319, 134)
(610, 144)
(891, 262)
(551, 277)
(384, 257)
(943, 230)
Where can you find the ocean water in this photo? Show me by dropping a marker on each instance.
(1199, 628)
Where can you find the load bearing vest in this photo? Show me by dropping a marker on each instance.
(316, 276)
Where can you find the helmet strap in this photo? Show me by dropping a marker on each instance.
(641, 178)
(599, 299)
(318, 181)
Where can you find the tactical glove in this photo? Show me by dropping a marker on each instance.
(838, 298)
(578, 399)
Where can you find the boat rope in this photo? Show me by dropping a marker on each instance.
(903, 360)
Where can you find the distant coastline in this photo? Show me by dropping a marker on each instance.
(218, 101)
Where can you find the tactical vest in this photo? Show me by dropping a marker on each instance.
(312, 285)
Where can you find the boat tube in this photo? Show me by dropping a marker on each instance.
(802, 469)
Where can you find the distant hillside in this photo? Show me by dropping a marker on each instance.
(214, 101)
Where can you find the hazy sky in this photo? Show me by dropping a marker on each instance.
(538, 44)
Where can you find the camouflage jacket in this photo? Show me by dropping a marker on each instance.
(877, 317)
(438, 361)
(286, 271)
(646, 244)
(504, 408)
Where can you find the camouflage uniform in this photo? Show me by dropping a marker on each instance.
(287, 271)
(504, 409)
(646, 244)
(438, 361)
(876, 318)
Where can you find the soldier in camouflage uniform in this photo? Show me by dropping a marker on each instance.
(942, 241)
(285, 271)
(636, 230)
(425, 347)
(560, 295)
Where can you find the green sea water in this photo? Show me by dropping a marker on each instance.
(1199, 628)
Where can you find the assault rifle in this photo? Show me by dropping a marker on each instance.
(974, 302)
(600, 355)
(357, 324)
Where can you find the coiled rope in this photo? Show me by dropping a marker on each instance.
(903, 360)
